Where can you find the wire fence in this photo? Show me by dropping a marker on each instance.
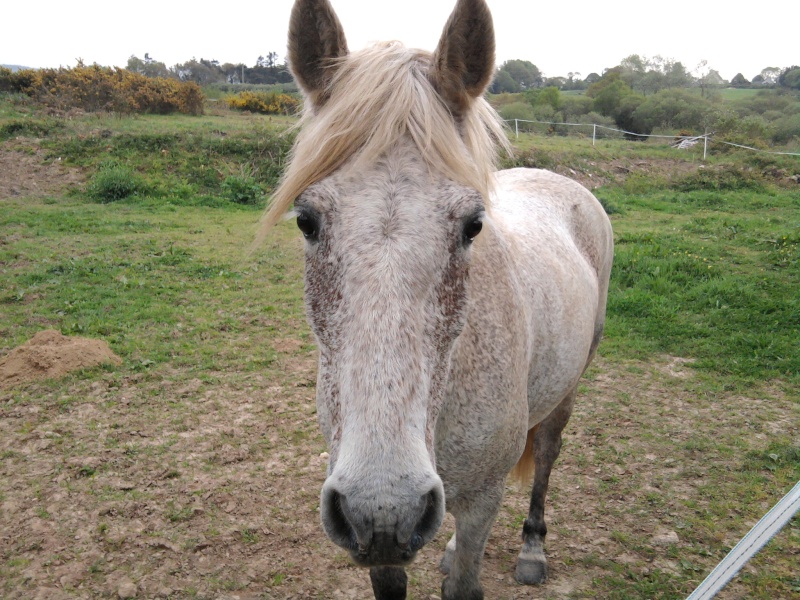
(606, 132)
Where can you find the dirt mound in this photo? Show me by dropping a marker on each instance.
(49, 354)
(25, 172)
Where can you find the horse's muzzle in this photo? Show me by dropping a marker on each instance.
(382, 533)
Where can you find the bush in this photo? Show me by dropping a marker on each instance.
(97, 88)
(722, 178)
(269, 103)
(241, 189)
(518, 110)
(115, 182)
(786, 128)
(672, 109)
(29, 128)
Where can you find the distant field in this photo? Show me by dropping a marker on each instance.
(737, 93)
(193, 469)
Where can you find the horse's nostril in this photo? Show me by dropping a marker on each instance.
(431, 519)
(336, 522)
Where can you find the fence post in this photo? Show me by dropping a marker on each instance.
(594, 132)
(516, 127)
(705, 144)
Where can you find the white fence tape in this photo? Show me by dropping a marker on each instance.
(768, 526)
(707, 137)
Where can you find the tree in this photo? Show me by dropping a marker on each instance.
(632, 70)
(790, 78)
(233, 73)
(608, 100)
(591, 78)
(503, 83)
(149, 67)
(556, 82)
(525, 73)
(676, 76)
(706, 77)
(769, 75)
(739, 81)
(549, 96)
(202, 72)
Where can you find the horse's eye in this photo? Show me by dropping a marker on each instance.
(307, 223)
(472, 228)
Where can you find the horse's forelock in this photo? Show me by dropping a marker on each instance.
(379, 95)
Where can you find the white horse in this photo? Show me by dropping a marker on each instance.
(441, 350)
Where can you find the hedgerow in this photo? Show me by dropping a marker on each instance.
(95, 88)
(270, 103)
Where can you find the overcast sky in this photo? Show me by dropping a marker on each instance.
(558, 37)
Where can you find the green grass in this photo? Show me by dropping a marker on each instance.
(161, 284)
(729, 94)
(709, 276)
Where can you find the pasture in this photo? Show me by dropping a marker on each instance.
(193, 470)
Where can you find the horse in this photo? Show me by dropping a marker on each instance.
(455, 308)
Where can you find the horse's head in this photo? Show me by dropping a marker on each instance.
(388, 178)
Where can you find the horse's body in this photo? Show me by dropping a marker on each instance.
(439, 355)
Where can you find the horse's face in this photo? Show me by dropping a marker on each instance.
(387, 267)
(388, 245)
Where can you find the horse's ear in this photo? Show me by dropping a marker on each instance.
(316, 40)
(463, 63)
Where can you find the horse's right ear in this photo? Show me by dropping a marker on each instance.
(463, 63)
(316, 40)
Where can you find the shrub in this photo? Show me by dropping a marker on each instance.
(672, 109)
(241, 189)
(29, 128)
(786, 128)
(97, 88)
(721, 178)
(115, 182)
(270, 103)
(518, 110)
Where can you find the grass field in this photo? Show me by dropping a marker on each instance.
(193, 469)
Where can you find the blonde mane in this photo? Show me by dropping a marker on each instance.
(377, 96)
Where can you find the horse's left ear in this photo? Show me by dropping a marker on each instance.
(316, 40)
(463, 63)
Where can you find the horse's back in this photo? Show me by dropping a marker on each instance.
(534, 199)
(563, 249)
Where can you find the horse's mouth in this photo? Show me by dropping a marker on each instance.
(386, 553)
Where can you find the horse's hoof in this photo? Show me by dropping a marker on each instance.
(530, 572)
(451, 591)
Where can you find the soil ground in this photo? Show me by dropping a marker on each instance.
(212, 492)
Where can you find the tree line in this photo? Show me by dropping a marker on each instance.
(266, 70)
(643, 75)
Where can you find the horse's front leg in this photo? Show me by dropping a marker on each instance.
(532, 563)
(473, 523)
(388, 583)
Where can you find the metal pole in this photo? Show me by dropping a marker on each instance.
(516, 127)
(752, 542)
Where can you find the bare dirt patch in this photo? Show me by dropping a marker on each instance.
(162, 486)
(599, 172)
(24, 171)
(48, 354)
